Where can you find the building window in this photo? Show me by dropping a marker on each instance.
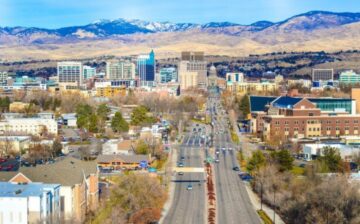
(286, 122)
(311, 114)
(296, 122)
(337, 128)
(346, 122)
(356, 121)
(337, 122)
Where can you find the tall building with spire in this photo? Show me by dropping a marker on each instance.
(146, 66)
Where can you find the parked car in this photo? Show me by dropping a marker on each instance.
(189, 187)
(236, 168)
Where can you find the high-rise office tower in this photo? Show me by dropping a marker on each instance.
(322, 74)
(120, 70)
(146, 69)
(70, 73)
(168, 75)
(192, 70)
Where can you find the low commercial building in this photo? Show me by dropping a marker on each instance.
(69, 119)
(347, 152)
(120, 162)
(79, 190)
(118, 146)
(29, 203)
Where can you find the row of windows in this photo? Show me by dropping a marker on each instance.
(316, 122)
(319, 129)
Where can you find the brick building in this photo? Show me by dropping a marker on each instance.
(288, 117)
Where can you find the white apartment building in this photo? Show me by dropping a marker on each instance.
(70, 73)
(29, 126)
(120, 70)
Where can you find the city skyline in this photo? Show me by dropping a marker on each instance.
(55, 14)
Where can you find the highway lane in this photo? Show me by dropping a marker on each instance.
(233, 202)
(188, 205)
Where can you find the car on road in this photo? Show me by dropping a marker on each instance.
(236, 168)
(182, 158)
(223, 149)
(217, 160)
(2, 160)
(217, 152)
(181, 173)
(189, 187)
(230, 149)
(180, 164)
(245, 176)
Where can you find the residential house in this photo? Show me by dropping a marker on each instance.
(79, 192)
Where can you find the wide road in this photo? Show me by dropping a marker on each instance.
(233, 202)
(189, 205)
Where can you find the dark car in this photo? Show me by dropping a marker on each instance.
(245, 176)
(2, 160)
(236, 168)
(25, 163)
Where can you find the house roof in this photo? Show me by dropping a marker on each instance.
(67, 172)
(258, 103)
(286, 102)
(125, 145)
(123, 158)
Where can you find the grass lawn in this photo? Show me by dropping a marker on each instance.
(264, 217)
(297, 170)
(235, 137)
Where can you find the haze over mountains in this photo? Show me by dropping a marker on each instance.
(312, 31)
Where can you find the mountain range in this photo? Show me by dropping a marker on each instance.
(315, 30)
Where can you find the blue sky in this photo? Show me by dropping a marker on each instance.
(59, 13)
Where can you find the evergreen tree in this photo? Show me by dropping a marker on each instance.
(244, 105)
(284, 159)
(257, 160)
(118, 123)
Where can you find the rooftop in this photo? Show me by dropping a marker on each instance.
(67, 172)
(24, 190)
(123, 158)
(286, 102)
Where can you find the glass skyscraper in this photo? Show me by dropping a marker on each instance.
(146, 69)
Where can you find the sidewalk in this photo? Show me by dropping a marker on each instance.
(255, 200)
(169, 202)
(247, 147)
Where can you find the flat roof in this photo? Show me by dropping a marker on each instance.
(8, 189)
